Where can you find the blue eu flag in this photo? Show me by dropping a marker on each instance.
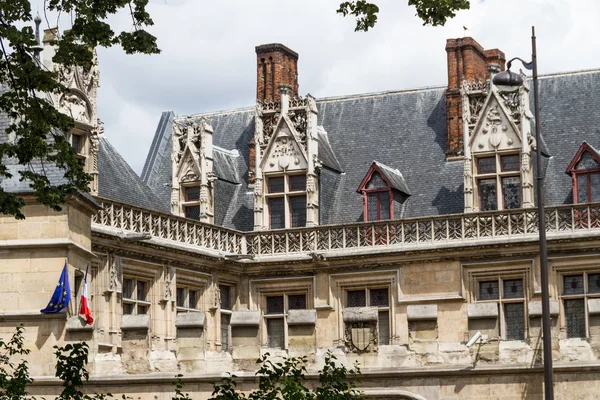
(61, 296)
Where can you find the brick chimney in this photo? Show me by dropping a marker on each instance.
(276, 65)
(467, 60)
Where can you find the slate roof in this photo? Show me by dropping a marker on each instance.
(117, 181)
(394, 177)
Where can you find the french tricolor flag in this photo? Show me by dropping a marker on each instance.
(84, 310)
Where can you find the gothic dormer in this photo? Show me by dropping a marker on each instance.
(192, 169)
(498, 146)
(80, 103)
(584, 170)
(286, 186)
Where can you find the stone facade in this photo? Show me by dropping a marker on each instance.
(401, 297)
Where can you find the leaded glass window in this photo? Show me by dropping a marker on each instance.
(489, 290)
(514, 315)
(576, 291)
(191, 202)
(187, 298)
(298, 211)
(377, 196)
(383, 320)
(356, 298)
(192, 212)
(225, 297)
(379, 297)
(225, 329)
(297, 302)
(498, 182)
(277, 213)
(575, 318)
(275, 305)
(573, 284)
(286, 201)
(276, 332)
(509, 295)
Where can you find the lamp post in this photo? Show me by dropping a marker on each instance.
(508, 80)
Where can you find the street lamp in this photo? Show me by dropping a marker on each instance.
(510, 81)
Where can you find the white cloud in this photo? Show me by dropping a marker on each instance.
(208, 60)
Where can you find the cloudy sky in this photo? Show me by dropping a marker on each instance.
(208, 61)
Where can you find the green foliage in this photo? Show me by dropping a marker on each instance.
(437, 12)
(38, 129)
(14, 373)
(179, 395)
(432, 12)
(286, 380)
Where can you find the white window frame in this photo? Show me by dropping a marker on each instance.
(387, 308)
(585, 296)
(186, 290)
(283, 316)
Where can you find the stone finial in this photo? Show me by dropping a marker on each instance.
(284, 91)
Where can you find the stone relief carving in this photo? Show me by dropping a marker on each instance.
(76, 107)
(298, 119)
(359, 337)
(492, 125)
(285, 153)
(169, 276)
(115, 283)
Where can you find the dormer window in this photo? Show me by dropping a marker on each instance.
(191, 205)
(286, 199)
(377, 199)
(382, 188)
(585, 173)
(498, 182)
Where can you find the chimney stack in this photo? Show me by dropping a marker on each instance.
(276, 65)
(467, 60)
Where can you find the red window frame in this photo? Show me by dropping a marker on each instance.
(588, 174)
(377, 191)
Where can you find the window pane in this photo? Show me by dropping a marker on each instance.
(297, 183)
(595, 187)
(275, 305)
(586, 162)
(510, 163)
(379, 298)
(77, 141)
(376, 181)
(276, 185)
(225, 319)
(489, 290)
(141, 291)
(192, 193)
(192, 212)
(511, 191)
(582, 188)
(372, 206)
(128, 308)
(593, 283)
(180, 297)
(193, 299)
(225, 297)
(486, 165)
(383, 323)
(142, 309)
(514, 315)
(575, 317)
(356, 298)
(384, 205)
(487, 195)
(128, 288)
(275, 332)
(297, 302)
(573, 284)
(513, 288)
(277, 213)
(298, 211)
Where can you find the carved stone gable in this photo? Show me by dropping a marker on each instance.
(285, 152)
(495, 130)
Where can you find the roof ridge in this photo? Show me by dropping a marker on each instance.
(380, 93)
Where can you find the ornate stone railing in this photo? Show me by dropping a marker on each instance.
(166, 226)
(408, 233)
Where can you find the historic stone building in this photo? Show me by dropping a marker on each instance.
(386, 227)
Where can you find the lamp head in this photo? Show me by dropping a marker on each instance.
(508, 81)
